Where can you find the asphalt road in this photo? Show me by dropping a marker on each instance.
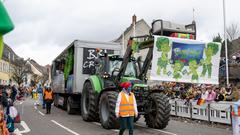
(35, 122)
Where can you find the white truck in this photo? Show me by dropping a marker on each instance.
(72, 67)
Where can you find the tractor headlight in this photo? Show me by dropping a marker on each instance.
(137, 88)
(105, 75)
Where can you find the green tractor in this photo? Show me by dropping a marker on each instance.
(101, 89)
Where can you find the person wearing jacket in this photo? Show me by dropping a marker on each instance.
(40, 96)
(126, 108)
(211, 94)
(48, 98)
(3, 97)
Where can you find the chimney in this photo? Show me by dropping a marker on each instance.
(134, 19)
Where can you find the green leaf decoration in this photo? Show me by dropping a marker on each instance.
(6, 24)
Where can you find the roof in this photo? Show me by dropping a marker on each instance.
(6, 51)
(85, 43)
(131, 27)
(40, 68)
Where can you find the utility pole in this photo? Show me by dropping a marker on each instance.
(225, 39)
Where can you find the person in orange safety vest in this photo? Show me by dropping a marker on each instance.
(48, 98)
(126, 108)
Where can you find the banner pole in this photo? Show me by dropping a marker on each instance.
(225, 39)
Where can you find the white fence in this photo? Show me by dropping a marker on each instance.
(219, 112)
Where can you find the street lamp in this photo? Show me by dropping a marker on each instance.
(225, 39)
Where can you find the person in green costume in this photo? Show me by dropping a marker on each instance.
(69, 64)
(211, 50)
(193, 66)
(6, 26)
(177, 69)
(164, 47)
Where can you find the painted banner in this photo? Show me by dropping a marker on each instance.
(185, 60)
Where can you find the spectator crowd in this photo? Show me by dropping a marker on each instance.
(8, 112)
(208, 93)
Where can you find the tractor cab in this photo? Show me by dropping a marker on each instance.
(109, 65)
(115, 64)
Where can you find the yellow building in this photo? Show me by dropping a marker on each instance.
(5, 70)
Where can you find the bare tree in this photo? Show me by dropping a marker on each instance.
(233, 31)
(20, 70)
(217, 38)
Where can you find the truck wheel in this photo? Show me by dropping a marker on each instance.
(158, 113)
(88, 107)
(64, 107)
(55, 100)
(70, 110)
(107, 110)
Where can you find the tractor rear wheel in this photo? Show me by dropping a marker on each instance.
(88, 106)
(158, 112)
(107, 110)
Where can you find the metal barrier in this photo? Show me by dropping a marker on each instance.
(200, 112)
(182, 109)
(219, 112)
(172, 103)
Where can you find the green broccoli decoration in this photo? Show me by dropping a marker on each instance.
(164, 47)
(177, 69)
(211, 50)
(193, 66)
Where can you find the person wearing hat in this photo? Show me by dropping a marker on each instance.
(126, 108)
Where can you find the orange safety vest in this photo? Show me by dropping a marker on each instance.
(126, 107)
(48, 94)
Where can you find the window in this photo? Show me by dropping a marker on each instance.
(130, 70)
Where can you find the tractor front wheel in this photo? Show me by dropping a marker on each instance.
(107, 110)
(158, 112)
(88, 106)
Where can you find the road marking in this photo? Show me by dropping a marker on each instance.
(69, 130)
(41, 113)
(157, 130)
(115, 130)
(26, 129)
(97, 123)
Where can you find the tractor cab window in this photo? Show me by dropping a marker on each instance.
(130, 70)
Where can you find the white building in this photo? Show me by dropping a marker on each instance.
(137, 28)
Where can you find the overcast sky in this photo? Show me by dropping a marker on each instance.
(43, 28)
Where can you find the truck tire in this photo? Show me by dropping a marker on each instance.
(159, 111)
(88, 107)
(55, 100)
(70, 110)
(107, 106)
(64, 107)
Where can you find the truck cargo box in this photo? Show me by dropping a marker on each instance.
(83, 64)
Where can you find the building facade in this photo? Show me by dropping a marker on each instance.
(6, 64)
(137, 28)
